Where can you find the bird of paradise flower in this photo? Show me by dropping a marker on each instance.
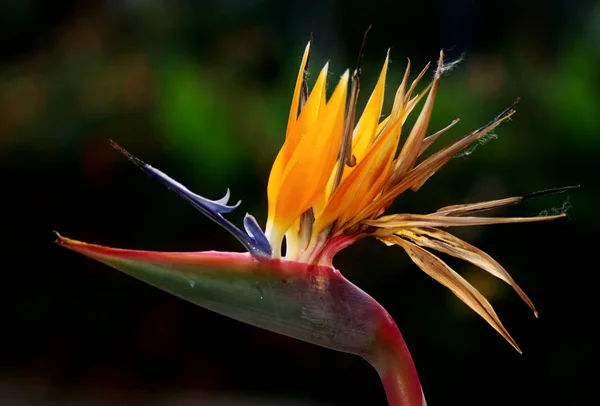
(329, 187)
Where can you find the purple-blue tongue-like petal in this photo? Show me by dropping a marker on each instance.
(257, 234)
(224, 200)
(212, 209)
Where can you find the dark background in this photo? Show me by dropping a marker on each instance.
(201, 89)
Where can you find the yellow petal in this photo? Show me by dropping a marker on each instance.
(381, 126)
(401, 109)
(345, 157)
(364, 134)
(313, 107)
(310, 165)
(288, 146)
(363, 184)
(366, 129)
(442, 241)
(297, 91)
(438, 270)
(307, 118)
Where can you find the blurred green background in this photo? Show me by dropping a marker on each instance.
(201, 89)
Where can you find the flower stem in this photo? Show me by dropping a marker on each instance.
(395, 367)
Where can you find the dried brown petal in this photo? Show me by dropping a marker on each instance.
(441, 272)
(445, 242)
(396, 222)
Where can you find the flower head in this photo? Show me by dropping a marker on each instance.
(332, 181)
(331, 184)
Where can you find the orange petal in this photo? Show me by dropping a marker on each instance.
(297, 91)
(310, 165)
(366, 129)
(381, 126)
(345, 157)
(313, 107)
(363, 184)
(438, 270)
(290, 143)
(363, 135)
(307, 118)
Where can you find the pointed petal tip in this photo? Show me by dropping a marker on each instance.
(510, 110)
(363, 47)
(138, 162)
(59, 238)
(512, 342)
(532, 307)
(81, 247)
(225, 198)
(387, 57)
(440, 67)
(70, 243)
(548, 192)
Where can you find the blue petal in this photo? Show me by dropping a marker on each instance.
(255, 241)
(223, 201)
(257, 234)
